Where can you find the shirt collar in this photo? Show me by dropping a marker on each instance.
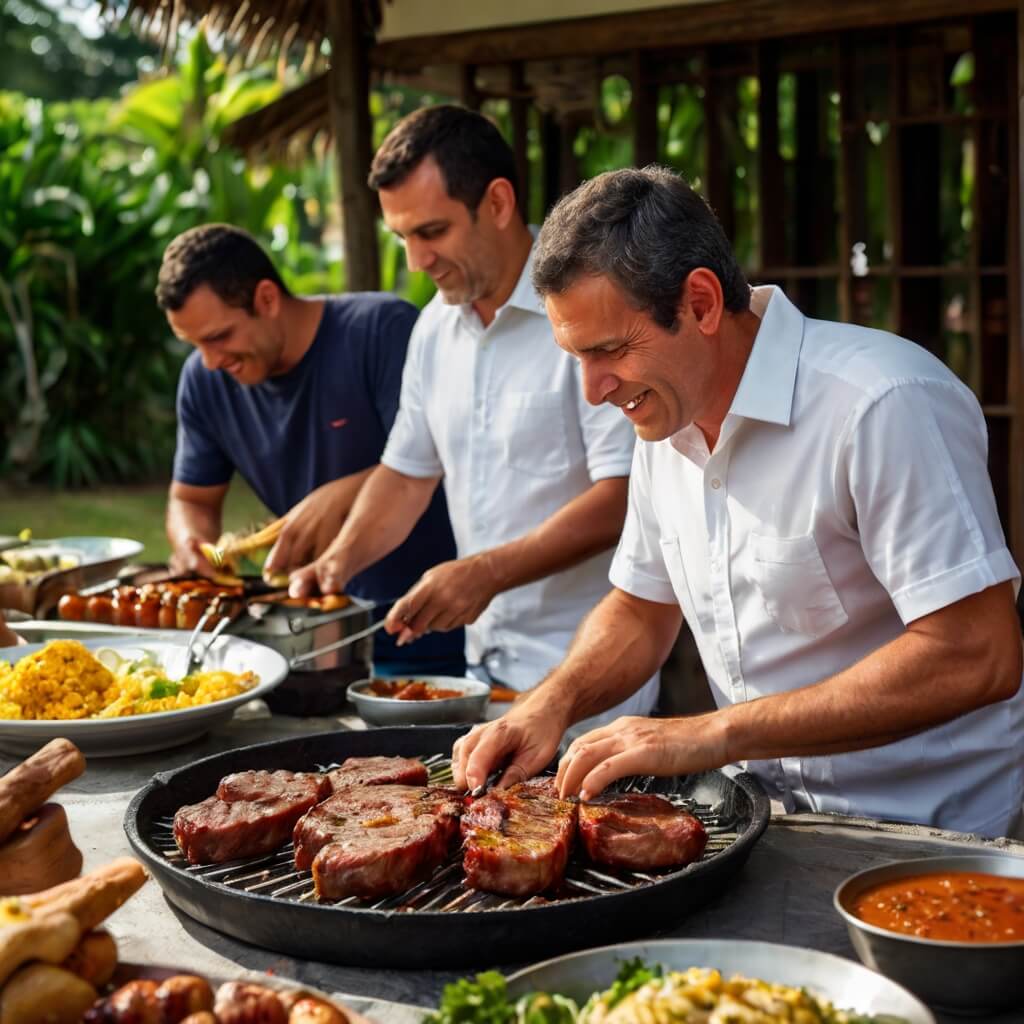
(769, 379)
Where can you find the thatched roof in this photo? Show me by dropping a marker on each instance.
(287, 124)
(257, 28)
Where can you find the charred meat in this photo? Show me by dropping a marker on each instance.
(517, 840)
(252, 814)
(640, 831)
(374, 841)
(379, 771)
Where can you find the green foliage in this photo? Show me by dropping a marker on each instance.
(90, 194)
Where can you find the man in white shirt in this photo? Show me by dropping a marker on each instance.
(535, 476)
(813, 499)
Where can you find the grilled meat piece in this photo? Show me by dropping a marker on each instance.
(257, 785)
(640, 831)
(373, 841)
(517, 840)
(255, 815)
(379, 771)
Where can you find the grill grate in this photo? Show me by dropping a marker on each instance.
(445, 891)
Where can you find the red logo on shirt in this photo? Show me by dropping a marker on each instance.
(335, 424)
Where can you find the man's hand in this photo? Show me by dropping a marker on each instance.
(450, 595)
(525, 739)
(641, 746)
(327, 574)
(310, 526)
(186, 557)
(8, 638)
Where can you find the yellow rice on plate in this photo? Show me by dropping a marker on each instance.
(65, 680)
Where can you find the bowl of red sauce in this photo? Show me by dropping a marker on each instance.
(950, 929)
(423, 700)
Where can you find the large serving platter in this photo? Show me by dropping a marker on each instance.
(847, 985)
(134, 734)
(266, 902)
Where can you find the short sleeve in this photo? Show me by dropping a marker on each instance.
(914, 469)
(410, 448)
(608, 437)
(638, 566)
(199, 459)
(386, 362)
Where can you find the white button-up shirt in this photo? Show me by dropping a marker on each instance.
(846, 496)
(500, 412)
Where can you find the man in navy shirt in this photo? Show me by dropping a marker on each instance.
(298, 396)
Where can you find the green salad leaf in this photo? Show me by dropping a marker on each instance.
(483, 1000)
(633, 974)
(542, 1008)
(164, 688)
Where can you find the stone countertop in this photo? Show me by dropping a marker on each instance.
(783, 894)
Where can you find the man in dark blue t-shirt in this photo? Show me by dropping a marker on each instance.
(298, 396)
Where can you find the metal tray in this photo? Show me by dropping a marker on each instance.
(99, 558)
(439, 923)
(847, 985)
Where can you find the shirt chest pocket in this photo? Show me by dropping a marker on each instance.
(795, 585)
(531, 430)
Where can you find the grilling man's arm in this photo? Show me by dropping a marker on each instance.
(388, 506)
(193, 517)
(619, 646)
(455, 593)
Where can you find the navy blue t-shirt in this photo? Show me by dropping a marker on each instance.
(326, 418)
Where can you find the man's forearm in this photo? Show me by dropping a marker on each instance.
(586, 526)
(388, 506)
(186, 520)
(618, 647)
(945, 665)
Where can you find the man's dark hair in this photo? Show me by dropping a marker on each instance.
(467, 147)
(225, 258)
(645, 230)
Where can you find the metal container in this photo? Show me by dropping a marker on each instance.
(440, 922)
(469, 707)
(98, 558)
(316, 686)
(961, 977)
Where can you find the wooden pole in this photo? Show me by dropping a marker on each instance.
(348, 86)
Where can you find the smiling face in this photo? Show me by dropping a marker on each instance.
(462, 254)
(662, 380)
(249, 347)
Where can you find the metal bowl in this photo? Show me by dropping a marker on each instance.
(962, 977)
(389, 711)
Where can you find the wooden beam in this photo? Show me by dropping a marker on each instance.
(348, 84)
(644, 106)
(729, 21)
(519, 109)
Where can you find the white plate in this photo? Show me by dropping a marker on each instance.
(89, 550)
(845, 984)
(116, 737)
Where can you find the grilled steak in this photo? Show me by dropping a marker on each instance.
(517, 840)
(373, 841)
(253, 813)
(273, 786)
(639, 831)
(379, 771)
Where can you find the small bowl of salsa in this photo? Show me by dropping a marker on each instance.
(423, 700)
(949, 928)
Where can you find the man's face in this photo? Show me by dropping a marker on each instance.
(249, 347)
(661, 380)
(461, 253)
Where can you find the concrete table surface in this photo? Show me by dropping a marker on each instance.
(783, 894)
